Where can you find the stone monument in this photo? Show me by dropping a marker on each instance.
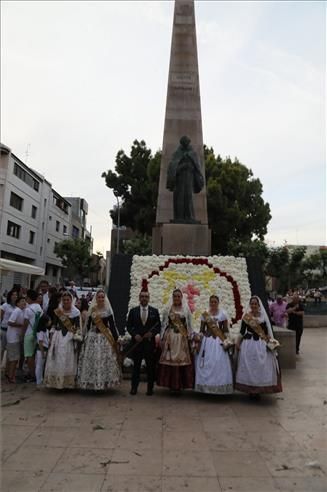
(182, 221)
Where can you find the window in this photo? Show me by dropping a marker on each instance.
(75, 232)
(34, 210)
(16, 201)
(50, 218)
(54, 271)
(13, 230)
(41, 250)
(32, 236)
(26, 177)
(57, 225)
(65, 229)
(55, 245)
(48, 240)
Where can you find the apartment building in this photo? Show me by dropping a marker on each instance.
(33, 218)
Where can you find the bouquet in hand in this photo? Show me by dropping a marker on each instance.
(124, 340)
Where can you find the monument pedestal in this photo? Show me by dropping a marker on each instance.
(181, 239)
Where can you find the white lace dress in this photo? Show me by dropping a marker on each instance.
(98, 367)
(213, 370)
(61, 365)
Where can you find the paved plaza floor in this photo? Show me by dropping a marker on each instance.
(70, 441)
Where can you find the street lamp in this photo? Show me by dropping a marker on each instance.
(118, 223)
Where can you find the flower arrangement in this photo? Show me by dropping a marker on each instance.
(197, 277)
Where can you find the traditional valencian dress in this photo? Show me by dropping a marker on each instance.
(176, 369)
(61, 365)
(98, 367)
(213, 370)
(257, 368)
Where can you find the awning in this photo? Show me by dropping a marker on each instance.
(16, 266)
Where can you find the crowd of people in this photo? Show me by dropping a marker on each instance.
(66, 342)
(288, 312)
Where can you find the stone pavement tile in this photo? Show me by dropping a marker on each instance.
(20, 417)
(65, 419)
(146, 423)
(311, 439)
(69, 482)
(239, 464)
(20, 481)
(302, 484)
(139, 462)
(12, 437)
(97, 438)
(190, 484)
(283, 463)
(33, 458)
(84, 461)
(139, 439)
(222, 424)
(298, 421)
(248, 484)
(129, 483)
(278, 440)
(320, 455)
(185, 440)
(260, 424)
(237, 440)
(51, 436)
(191, 464)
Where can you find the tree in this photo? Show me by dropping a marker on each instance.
(237, 214)
(139, 245)
(75, 256)
(287, 266)
(136, 181)
(315, 268)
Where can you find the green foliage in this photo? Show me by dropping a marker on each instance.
(315, 269)
(237, 214)
(139, 245)
(75, 256)
(287, 266)
(136, 181)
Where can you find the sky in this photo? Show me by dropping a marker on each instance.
(81, 80)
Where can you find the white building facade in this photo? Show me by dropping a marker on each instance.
(33, 218)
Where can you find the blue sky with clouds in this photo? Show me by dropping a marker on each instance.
(80, 80)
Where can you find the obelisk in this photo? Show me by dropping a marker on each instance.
(183, 117)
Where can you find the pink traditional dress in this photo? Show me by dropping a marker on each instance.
(176, 370)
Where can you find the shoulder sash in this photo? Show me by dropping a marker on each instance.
(256, 327)
(65, 321)
(214, 329)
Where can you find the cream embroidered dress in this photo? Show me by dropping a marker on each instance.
(213, 370)
(98, 367)
(61, 364)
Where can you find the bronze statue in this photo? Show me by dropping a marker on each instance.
(184, 177)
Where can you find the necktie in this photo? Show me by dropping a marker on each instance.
(143, 316)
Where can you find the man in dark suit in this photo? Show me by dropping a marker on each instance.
(143, 324)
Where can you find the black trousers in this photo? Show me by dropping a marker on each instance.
(146, 352)
(298, 335)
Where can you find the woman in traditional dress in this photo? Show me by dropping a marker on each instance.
(176, 369)
(65, 336)
(257, 369)
(213, 370)
(99, 367)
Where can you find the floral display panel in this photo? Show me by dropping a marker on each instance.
(197, 277)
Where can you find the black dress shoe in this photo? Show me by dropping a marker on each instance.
(149, 392)
(133, 391)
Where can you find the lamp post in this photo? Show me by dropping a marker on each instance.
(118, 223)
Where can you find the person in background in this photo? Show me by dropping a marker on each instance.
(39, 299)
(6, 311)
(54, 300)
(83, 306)
(295, 311)
(32, 314)
(43, 289)
(42, 335)
(14, 335)
(278, 311)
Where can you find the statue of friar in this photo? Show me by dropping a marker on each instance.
(184, 177)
